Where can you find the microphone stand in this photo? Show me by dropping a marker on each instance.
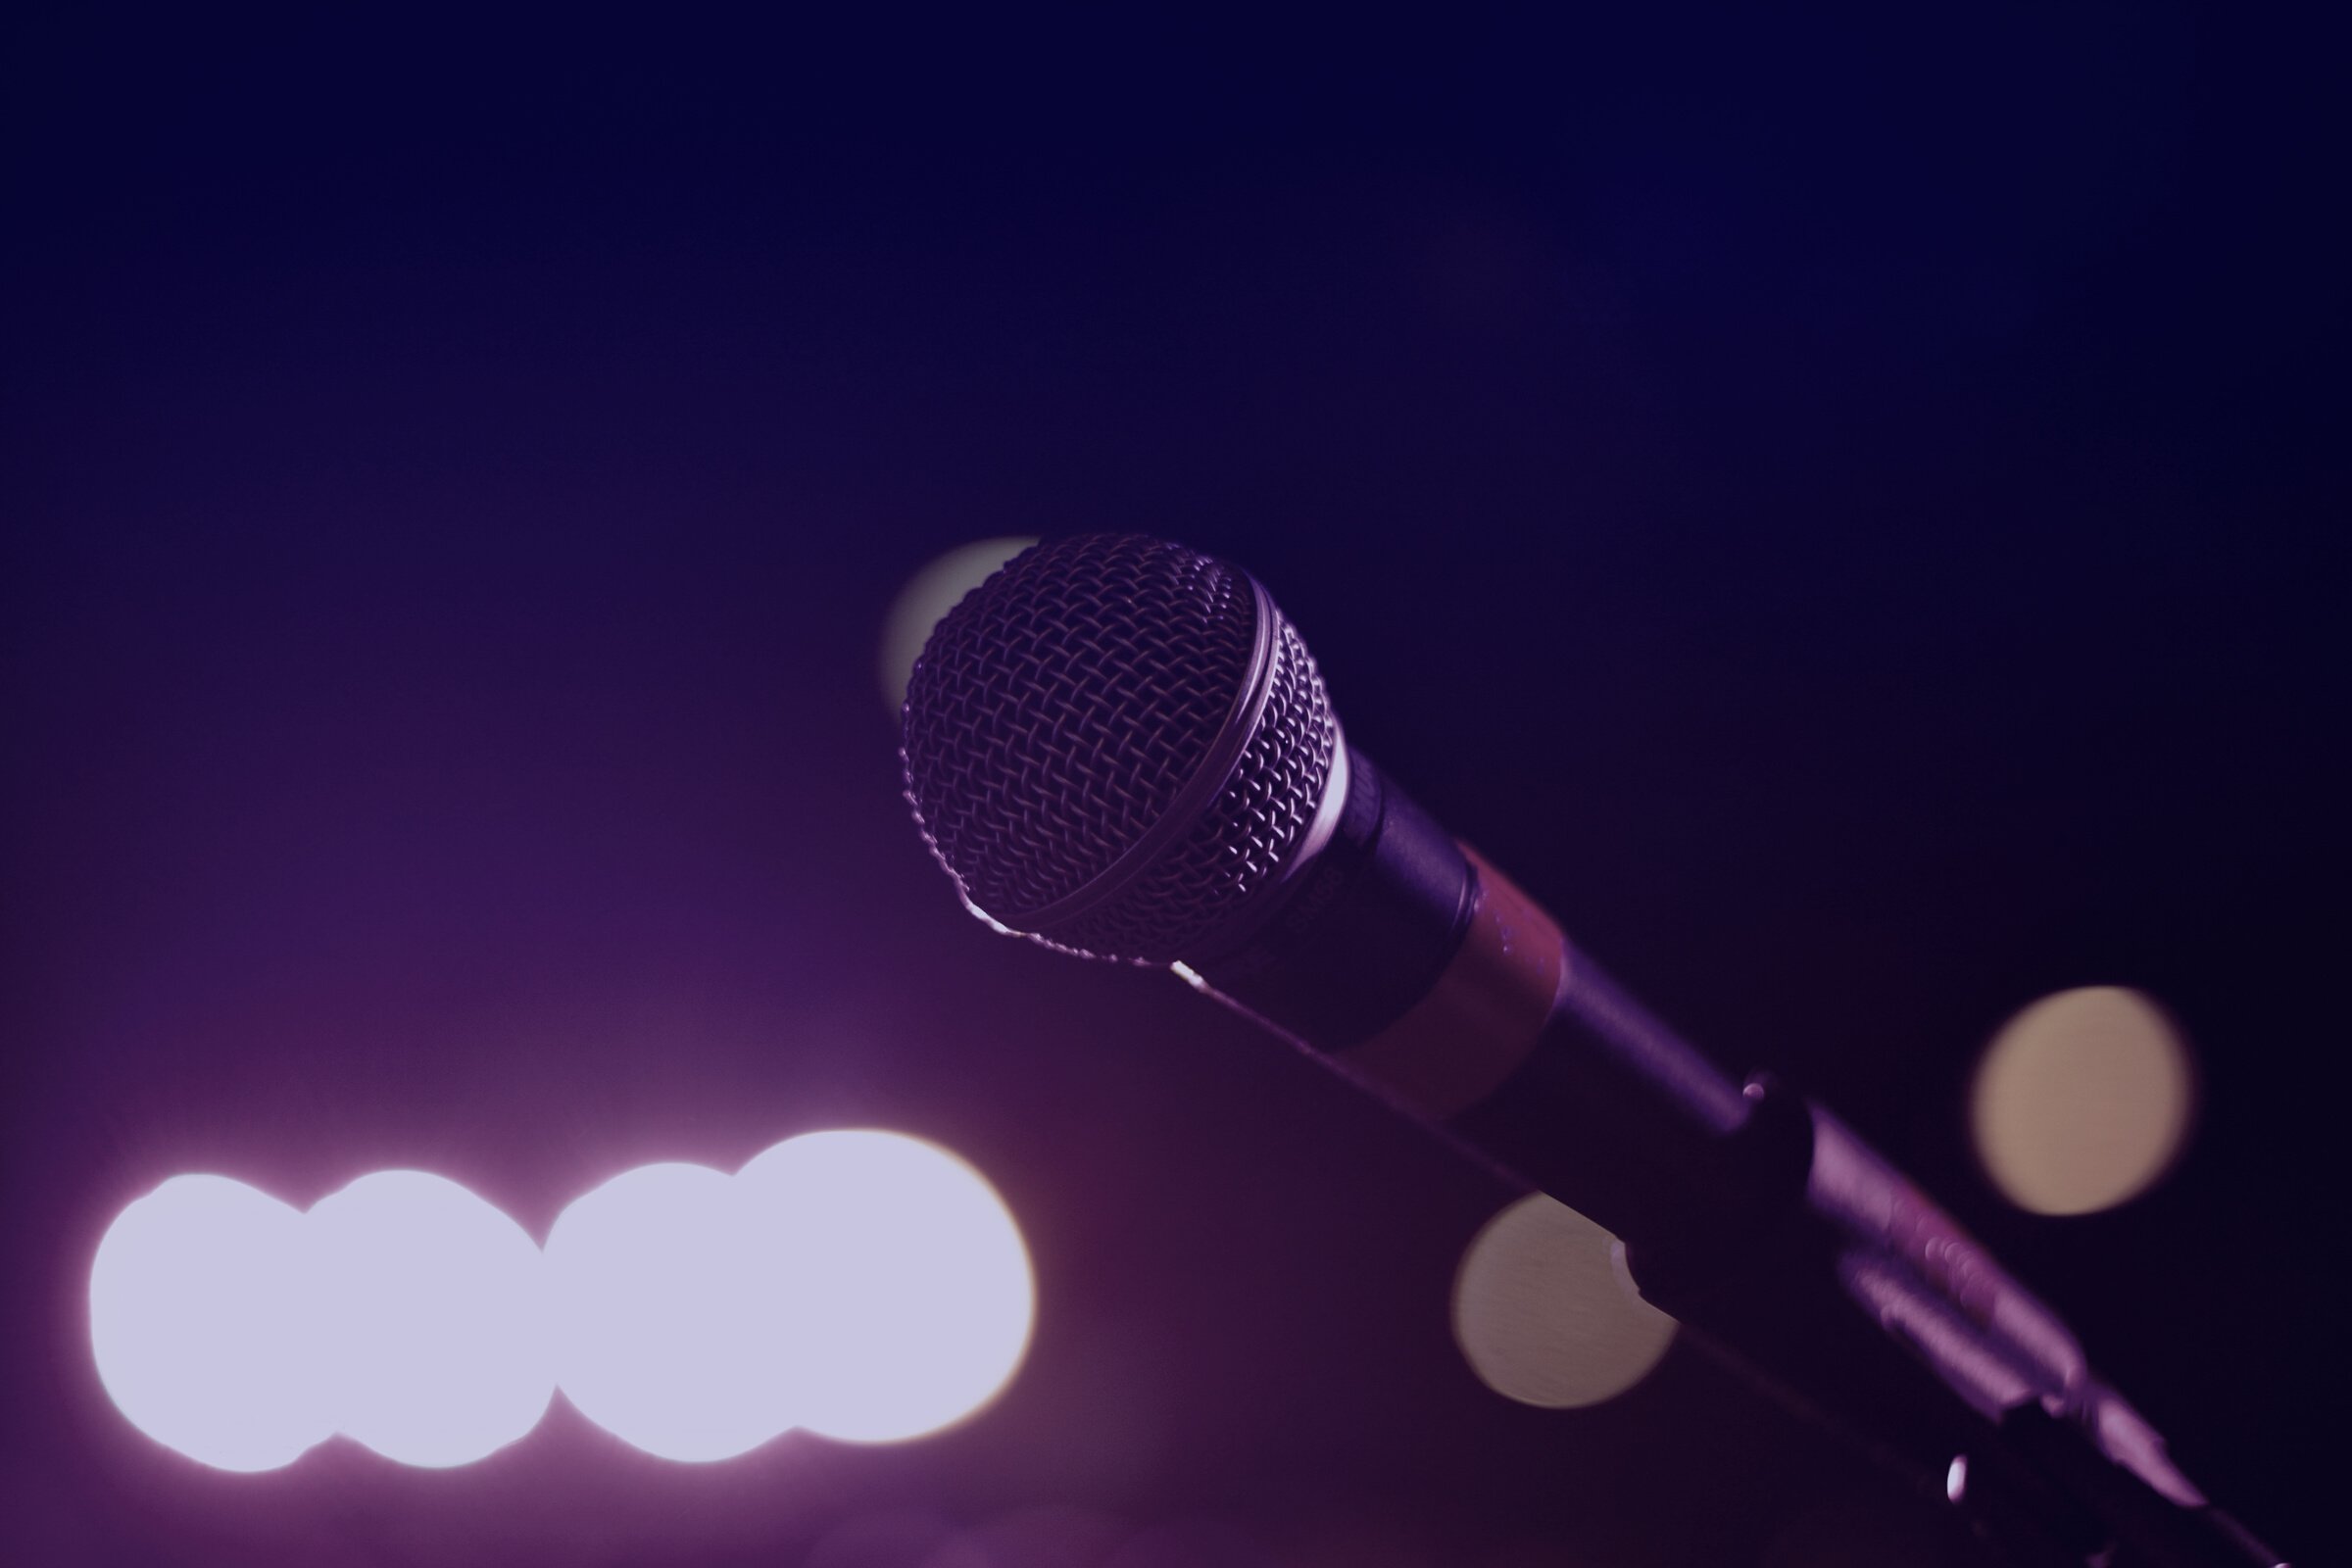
(1757, 1220)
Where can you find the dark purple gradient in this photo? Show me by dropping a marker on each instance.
(1848, 514)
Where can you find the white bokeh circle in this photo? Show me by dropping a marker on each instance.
(667, 1323)
(437, 1309)
(205, 1324)
(912, 1290)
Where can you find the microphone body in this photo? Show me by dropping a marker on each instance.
(1412, 966)
(1120, 749)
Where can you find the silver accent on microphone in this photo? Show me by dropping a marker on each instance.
(1114, 745)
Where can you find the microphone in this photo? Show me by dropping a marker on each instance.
(1120, 749)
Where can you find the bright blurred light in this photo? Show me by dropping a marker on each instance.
(1541, 1315)
(911, 1288)
(2083, 1101)
(928, 595)
(671, 1331)
(204, 1324)
(438, 1309)
(865, 1284)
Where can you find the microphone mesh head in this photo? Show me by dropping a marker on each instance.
(1058, 714)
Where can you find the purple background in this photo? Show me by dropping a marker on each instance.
(1848, 512)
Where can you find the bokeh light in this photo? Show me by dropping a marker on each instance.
(2083, 1101)
(861, 1283)
(912, 1292)
(205, 1325)
(671, 1324)
(865, 1284)
(436, 1305)
(1541, 1315)
(928, 595)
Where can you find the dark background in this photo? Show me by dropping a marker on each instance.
(1846, 508)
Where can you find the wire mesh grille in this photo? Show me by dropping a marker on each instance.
(1056, 712)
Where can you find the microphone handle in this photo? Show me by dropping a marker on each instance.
(1404, 960)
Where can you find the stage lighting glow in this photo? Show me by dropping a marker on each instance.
(204, 1324)
(866, 1285)
(1541, 1315)
(2082, 1100)
(913, 1287)
(438, 1312)
(928, 595)
(672, 1323)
